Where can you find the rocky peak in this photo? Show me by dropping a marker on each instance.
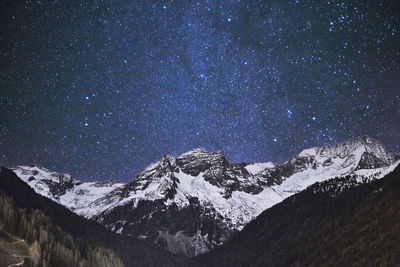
(41, 173)
(360, 153)
(165, 165)
(200, 160)
(363, 150)
(158, 179)
(216, 170)
(58, 183)
(212, 166)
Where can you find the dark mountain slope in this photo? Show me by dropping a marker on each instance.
(133, 252)
(328, 224)
(29, 238)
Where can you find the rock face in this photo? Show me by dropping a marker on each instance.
(194, 202)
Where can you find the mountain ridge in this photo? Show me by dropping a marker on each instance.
(207, 198)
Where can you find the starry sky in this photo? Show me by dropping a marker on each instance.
(102, 89)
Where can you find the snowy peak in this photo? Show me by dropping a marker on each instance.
(199, 160)
(56, 183)
(362, 153)
(62, 188)
(326, 162)
(161, 180)
(196, 151)
(341, 150)
(41, 173)
(256, 168)
(155, 182)
(216, 170)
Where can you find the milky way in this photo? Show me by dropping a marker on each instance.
(102, 90)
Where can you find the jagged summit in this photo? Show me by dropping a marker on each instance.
(198, 150)
(188, 160)
(360, 140)
(71, 193)
(41, 173)
(196, 201)
(365, 142)
(365, 151)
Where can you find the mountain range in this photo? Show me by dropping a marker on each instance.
(197, 201)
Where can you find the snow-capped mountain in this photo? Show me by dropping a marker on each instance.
(78, 196)
(196, 201)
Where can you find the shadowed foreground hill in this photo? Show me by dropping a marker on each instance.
(329, 224)
(74, 234)
(29, 238)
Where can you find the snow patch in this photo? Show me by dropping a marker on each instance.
(256, 168)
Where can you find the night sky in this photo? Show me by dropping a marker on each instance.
(102, 90)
